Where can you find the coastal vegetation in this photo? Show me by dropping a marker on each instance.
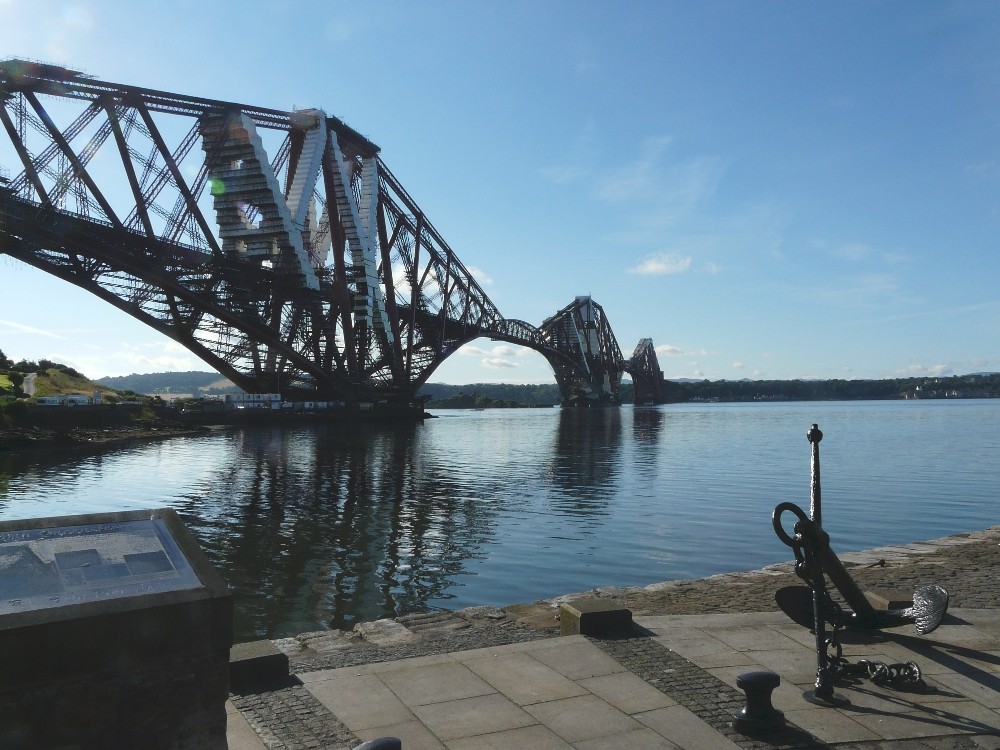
(124, 416)
(979, 385)
(190, 383)
(49, 379)
(52, 378)
(982, 385)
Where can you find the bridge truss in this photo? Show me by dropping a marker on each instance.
(277, 246)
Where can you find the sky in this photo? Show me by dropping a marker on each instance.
(768, 190)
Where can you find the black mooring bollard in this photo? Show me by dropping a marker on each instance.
(758, 716)
(382, 743)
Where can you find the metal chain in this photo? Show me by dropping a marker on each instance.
(902, 676)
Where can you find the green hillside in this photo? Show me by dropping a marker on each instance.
(53, 382)
(51, 379)
(193, 383)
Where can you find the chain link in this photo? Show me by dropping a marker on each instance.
(902, 675)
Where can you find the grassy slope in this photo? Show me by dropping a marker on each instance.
(55, 382)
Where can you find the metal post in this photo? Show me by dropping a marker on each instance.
(823, 693)
(815, 499)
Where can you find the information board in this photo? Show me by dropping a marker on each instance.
(65, 565)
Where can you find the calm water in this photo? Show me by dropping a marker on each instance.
(318, 527)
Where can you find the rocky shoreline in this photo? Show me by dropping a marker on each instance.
(28, 439)
(965, 564)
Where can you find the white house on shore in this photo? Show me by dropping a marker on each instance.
(69, 399)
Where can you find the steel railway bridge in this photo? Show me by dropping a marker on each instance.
(277, 246)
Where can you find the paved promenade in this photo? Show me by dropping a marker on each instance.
(503, 678)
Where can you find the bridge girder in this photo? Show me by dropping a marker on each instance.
(277, 246)
(581, 331)
(647, 377)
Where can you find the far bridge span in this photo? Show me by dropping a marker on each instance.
(277, 246)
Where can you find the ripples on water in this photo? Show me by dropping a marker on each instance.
(320, 527)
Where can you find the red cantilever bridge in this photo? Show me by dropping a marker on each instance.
(277, 246)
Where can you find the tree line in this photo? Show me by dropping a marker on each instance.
(983, 385)
(492, 395)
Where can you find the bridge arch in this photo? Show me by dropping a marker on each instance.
(277, 246)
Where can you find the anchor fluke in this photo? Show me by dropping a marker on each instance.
(930, 604)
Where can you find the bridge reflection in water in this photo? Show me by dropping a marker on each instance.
(323, 527)
(317, 527)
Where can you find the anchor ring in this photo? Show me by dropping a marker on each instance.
(776, 522)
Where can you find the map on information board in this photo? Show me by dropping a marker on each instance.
(64, 565)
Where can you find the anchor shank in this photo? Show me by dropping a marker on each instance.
(815, 495)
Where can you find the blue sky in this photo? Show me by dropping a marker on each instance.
(766, 189)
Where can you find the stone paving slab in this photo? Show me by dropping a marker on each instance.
(239, 733)
(661, 687)
(958, 660)
(479, 681)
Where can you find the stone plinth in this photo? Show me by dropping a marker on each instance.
(595, 617)
(115, 633)
(256, 663)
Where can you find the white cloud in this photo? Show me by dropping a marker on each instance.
(863, 292)
(338, 30)
(660, 194)
(153, 356)
(857, 252)
(482, 278)
(640, 178)
(497, 363)
(657, 194)
(563, 174)
(12, 327)
(674, 351)
(737, 365)
(499, 357)
(123, 363)
(852, 251)
(918, 370)
(661, 264)
(470, 350)
(500, 350)
(985, 168)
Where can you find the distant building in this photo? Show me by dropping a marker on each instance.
(64, 399)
